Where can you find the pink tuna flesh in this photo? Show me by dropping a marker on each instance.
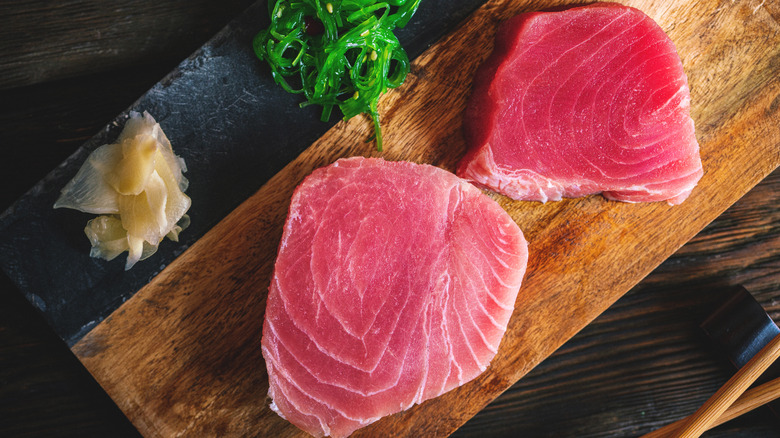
(588, 100)
(394, 283)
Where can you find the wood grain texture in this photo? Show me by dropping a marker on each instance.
(645, 362)
(44, 390)
(182, 356)
(43, 40)
(701, 420)
(749, 400)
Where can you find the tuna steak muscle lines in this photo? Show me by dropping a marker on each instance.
(394, 283)
(587, 100)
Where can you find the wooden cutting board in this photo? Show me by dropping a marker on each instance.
(182, 356)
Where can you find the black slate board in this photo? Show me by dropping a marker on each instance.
(235, 129)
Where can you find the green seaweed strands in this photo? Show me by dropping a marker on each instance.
(337, 53)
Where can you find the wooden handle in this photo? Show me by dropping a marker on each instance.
(751, 399)
(723, 405)
(728, 393)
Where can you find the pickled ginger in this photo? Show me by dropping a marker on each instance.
(137, 186)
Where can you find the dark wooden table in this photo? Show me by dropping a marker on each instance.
(67, 68)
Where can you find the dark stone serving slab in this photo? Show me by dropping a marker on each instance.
(235, 129)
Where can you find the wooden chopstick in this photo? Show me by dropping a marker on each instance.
(715, 406)
(749, 400)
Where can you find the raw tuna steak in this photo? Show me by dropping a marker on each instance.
(394, 283)
(588, 100)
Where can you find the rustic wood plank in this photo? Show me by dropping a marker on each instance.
(44, 390)
(598, 365)
(46, 394)
(182, 358)
(43, 41)
(644, 363)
